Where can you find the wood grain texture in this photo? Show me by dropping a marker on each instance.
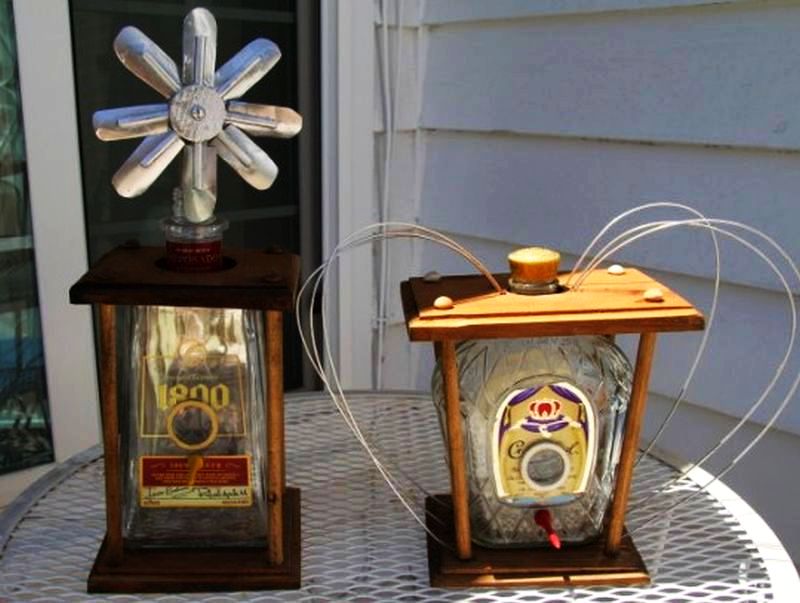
(135, 276)
(605, 304)
(578, 565)
(446, 352)
(601, 292)
(630, 443)
(111, 439)
(203, 569)
(276, 455)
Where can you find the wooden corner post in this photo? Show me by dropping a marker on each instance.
(630, 442)
(111, 443)
(446, 350)
(276, 479)
(261, 282)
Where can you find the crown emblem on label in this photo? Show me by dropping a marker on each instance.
(544, 409)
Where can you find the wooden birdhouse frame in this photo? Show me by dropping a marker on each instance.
(605, 304)
(253, 280)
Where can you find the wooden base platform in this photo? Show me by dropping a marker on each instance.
(581, 565)
(210, 569)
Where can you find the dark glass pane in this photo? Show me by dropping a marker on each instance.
(257, 218)
(25, 438)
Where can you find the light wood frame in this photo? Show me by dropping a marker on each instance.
(606, 305)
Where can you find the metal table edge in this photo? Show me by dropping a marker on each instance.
(782, 572)
(28, 498)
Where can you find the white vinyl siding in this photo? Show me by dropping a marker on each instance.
(526, 123)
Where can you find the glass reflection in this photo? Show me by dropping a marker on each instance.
(25, 438)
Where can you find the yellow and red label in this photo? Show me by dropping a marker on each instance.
(195, 481)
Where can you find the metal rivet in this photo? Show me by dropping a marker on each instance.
(197, 112)
(432, 277)
(654, 295)
(443, 303)
(616, 269)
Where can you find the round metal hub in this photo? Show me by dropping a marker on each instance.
(197, 113)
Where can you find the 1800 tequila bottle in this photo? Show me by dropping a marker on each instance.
(543, 421)
(192, 384)
(195, 428)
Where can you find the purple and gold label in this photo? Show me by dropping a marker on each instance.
(544, 444)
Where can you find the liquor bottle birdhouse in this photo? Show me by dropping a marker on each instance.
(191, 341)
(541, 414)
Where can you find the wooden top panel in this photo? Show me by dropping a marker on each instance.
(605, 304)
(135, 276)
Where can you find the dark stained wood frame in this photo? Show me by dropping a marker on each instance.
(253, 280)
(580, 565)
(132, 275)
(111, 440)
(605, 305)
(203, 570)
(276, 456)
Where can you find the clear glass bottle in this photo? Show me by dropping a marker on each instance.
(194, 433)
(542, 421)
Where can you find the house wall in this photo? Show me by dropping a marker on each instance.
(520, 123)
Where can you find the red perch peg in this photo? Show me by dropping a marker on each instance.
(543, 519)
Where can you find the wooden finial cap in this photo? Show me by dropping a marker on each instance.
(534, 265)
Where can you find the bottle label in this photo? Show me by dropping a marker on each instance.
(189, 383)
(194, 256)
(195, 481)
(544, 445)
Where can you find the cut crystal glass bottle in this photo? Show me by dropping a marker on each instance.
(542, 421)
(194, 432)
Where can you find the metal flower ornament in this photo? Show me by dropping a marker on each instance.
(201, 117)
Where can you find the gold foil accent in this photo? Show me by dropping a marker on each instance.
(228, 491)
(183, 407)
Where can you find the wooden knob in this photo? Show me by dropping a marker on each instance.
(443, 303)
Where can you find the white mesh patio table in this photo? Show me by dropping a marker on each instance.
(360, 544)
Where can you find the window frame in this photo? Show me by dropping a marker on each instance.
(56, 205)
(348, 182)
